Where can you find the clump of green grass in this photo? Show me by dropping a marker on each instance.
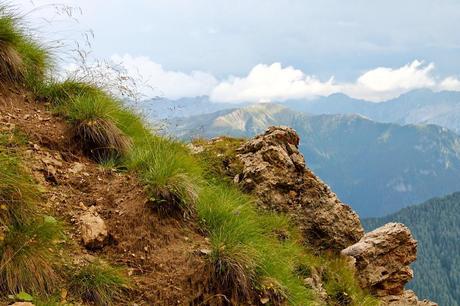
(23, 61)
(342, 286)
(18, 193)
(28, 257)
(246, 250)
(171, 175)
(27, 240)
(92, 116)
(99, 283)
(220, 157)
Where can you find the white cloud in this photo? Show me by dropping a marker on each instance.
(271, 82)
(277, 83)
(450, 83)
(386, 83)
(160, 82)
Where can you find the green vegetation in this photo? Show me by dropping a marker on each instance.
(220, 156)
(99, 283)
(28, 248)
(28, 258)
(436, 226)
(246, 249)
(18, 193)
(23, 61)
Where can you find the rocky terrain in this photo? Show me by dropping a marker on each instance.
(271, 167)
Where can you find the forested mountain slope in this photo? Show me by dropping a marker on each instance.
(436, 226)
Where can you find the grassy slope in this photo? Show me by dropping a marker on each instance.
(247, 259)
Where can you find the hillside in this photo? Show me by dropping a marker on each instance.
(376, 167)
(416, 107)
(435, 224)
(96, 208)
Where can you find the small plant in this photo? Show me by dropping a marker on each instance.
(99, 283)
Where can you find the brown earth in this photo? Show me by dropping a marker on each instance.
(162, 255)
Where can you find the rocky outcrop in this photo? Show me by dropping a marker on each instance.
(94, 232)
(274, 170)
(382, 259)
(271, 167)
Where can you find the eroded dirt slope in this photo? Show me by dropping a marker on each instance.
(163, 256)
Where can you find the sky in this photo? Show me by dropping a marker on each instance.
(267, 50)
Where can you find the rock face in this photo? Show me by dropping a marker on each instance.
(274, 170)
(382, 259)
(93, 230)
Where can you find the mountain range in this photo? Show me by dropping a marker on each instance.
(436, 226)
(376, 167)
(420, 106)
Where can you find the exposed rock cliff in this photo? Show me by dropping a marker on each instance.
(274, 170)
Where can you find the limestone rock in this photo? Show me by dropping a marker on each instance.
(274, 170)
(382, 259)
(93, 230)
(407, 298)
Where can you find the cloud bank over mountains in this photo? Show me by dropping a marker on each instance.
(276, 82)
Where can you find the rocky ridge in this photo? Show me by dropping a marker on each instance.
(271, 167)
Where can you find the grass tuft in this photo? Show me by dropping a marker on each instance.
(28, 257)
(171, 175)
(18, 193)
(23, 61)
(342, 286)
(92, 115)
(99, 283)
(247, 253)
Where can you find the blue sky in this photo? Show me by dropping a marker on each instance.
(209, 44)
